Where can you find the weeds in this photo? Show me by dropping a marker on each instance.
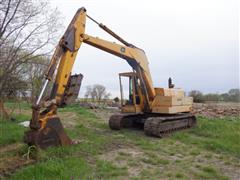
(174, 157)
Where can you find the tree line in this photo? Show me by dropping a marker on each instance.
(233, 95)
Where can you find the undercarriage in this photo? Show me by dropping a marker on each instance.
(154, 124)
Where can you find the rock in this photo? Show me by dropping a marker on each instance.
(25, 123)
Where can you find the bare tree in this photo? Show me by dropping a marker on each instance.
(35, 76)
(100, 91)
(28, 30)
(97, 92)
(88, 92)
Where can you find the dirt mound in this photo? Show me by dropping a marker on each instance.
(217, 110)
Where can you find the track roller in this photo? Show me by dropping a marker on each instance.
(162, 126)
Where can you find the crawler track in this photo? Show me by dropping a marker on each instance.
(158, 125)
(118, 121)
(162, 126)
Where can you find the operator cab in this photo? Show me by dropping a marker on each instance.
(132, 102)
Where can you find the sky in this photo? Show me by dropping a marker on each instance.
(195, 42)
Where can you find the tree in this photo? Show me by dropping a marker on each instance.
(88, 92)
(116, 99)
(197, 96)
(35, 75)
(97, 92)
(212, 97)
(234, 95)
(28, 30)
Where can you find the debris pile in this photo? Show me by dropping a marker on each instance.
(88, 105)
(99, 105)
(217, 110)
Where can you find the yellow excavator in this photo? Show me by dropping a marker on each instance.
(159, 111)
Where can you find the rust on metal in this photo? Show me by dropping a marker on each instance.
(52, 134)
(34, 123)
(72, 89)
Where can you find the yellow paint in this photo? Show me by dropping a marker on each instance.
(66, 59)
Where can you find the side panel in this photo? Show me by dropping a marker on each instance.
(172, 101)
(169, 92)
(171, 110)
(131, 109)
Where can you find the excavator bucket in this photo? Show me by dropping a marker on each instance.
(46, 127)
(50, 133)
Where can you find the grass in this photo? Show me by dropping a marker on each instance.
(106, 170)
(209, 172)
(221, 136)
(17, 105)
(56, 168)
(11, 131)
(189, 154)
(78, 161)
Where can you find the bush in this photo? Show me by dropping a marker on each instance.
(233, 95)
(197, 96)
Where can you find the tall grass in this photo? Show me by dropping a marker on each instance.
(219, 135)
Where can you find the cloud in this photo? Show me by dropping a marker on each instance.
(194, 42)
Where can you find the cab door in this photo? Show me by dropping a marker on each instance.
(131, 102)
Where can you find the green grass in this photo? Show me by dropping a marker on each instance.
(171, 157)
(106, 170)
(209, 172)
(78, 161)
(56, 168)
(221, 136)
(11, 131)
(17, 105)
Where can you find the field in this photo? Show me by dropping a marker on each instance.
(209, 151)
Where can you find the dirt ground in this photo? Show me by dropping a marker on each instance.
(217, 110)
(138, 160)
(11, 159)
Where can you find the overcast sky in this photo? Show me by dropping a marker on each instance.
(193, 41)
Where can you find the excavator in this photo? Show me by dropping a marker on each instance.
(159, 111)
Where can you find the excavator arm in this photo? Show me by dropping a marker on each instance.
(135, 57)
(46, 128)
(65, 55)
(69, 44)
